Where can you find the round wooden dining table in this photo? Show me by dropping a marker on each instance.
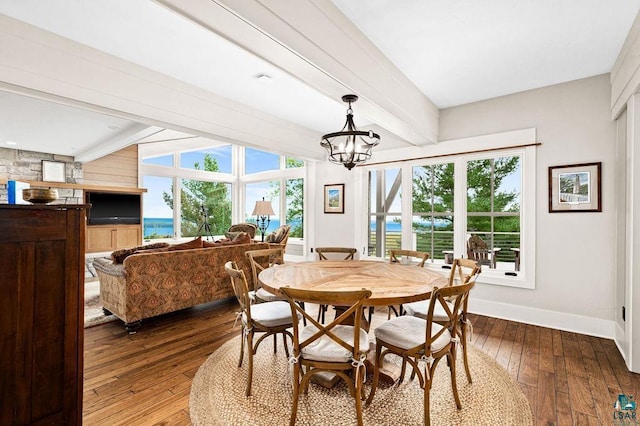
(390, 283)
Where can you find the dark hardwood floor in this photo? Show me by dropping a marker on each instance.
(145, 378)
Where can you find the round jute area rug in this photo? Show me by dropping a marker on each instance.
(217, 395)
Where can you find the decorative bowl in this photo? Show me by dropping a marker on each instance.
(39, 195)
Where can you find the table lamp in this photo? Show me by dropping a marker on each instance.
(262, 211)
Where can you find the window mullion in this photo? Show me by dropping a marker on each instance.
(460, 207)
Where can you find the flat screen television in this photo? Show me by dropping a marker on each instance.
(110, 208)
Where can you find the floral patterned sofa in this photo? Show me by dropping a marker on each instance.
(160, 280)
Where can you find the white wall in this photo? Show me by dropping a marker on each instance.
(575, 251)
(335, 229)
(575, 275)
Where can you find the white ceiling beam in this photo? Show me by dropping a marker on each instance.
(122, 140)
(313, 41)
(40, 61)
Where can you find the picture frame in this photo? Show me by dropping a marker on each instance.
(53, 171)
(575, 188)
(334, 198)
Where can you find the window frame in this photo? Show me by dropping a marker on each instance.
(525, 278)
(237, 179)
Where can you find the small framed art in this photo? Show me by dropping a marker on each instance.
(334, 198)
(575, 188)
(53, 171)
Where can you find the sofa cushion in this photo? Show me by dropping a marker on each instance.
(206, 243)
(193, 244)
(118, 256)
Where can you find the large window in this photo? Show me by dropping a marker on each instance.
(385, 221)
(469, 205)
(158, 214)
(493, 210)
(202, 191)
(218, 159)
(432, 209)
(205, 208)
(262, 191)
(294, 203)
(256, 161)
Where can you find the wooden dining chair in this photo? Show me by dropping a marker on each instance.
(463, 271)
(343, 253)
(416, 340)
(334, 253)
(409, 258)
(336, 347)
(260, 260)
(269, 318)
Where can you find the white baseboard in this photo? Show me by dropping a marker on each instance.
(544, 318)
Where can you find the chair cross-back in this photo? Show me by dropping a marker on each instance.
(261, 260)
(423, 341)
(404, 257)
(348, 252)
(343, 253)
(335, 347)
(463, 271)
(269, 318)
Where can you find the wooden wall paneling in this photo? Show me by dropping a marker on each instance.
(117, 169)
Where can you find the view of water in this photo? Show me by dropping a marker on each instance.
(164, 226)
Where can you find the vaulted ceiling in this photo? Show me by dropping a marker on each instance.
(85, 78)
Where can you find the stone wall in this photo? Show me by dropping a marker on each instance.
(16, 164)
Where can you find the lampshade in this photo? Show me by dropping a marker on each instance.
(263, 208)
(350, 146)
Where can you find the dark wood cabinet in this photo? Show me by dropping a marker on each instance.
(41, 314)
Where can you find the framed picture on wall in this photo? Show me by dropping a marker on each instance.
(53, 171)
(334, 198)
(575, 188)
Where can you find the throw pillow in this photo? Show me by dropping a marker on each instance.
(231, 235)
(270, 238)
(119, 256)
(193, 244)
(242, 238)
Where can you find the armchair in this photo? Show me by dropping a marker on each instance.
(479, 251)
(279, 237)
(249, 228)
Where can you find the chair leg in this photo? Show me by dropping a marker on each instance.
(250, 354)
(275, 343)
(427, 400)
(358, 396)
(296, 393)
(322, 309)
(242, 337)
(284, 342)
(454, 382)
(463, 340)
(304, 319)
(376, 373)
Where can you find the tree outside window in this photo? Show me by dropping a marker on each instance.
(493, 204)
(199, 197)
(432, 202)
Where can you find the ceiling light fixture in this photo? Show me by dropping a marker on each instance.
(349, 146)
